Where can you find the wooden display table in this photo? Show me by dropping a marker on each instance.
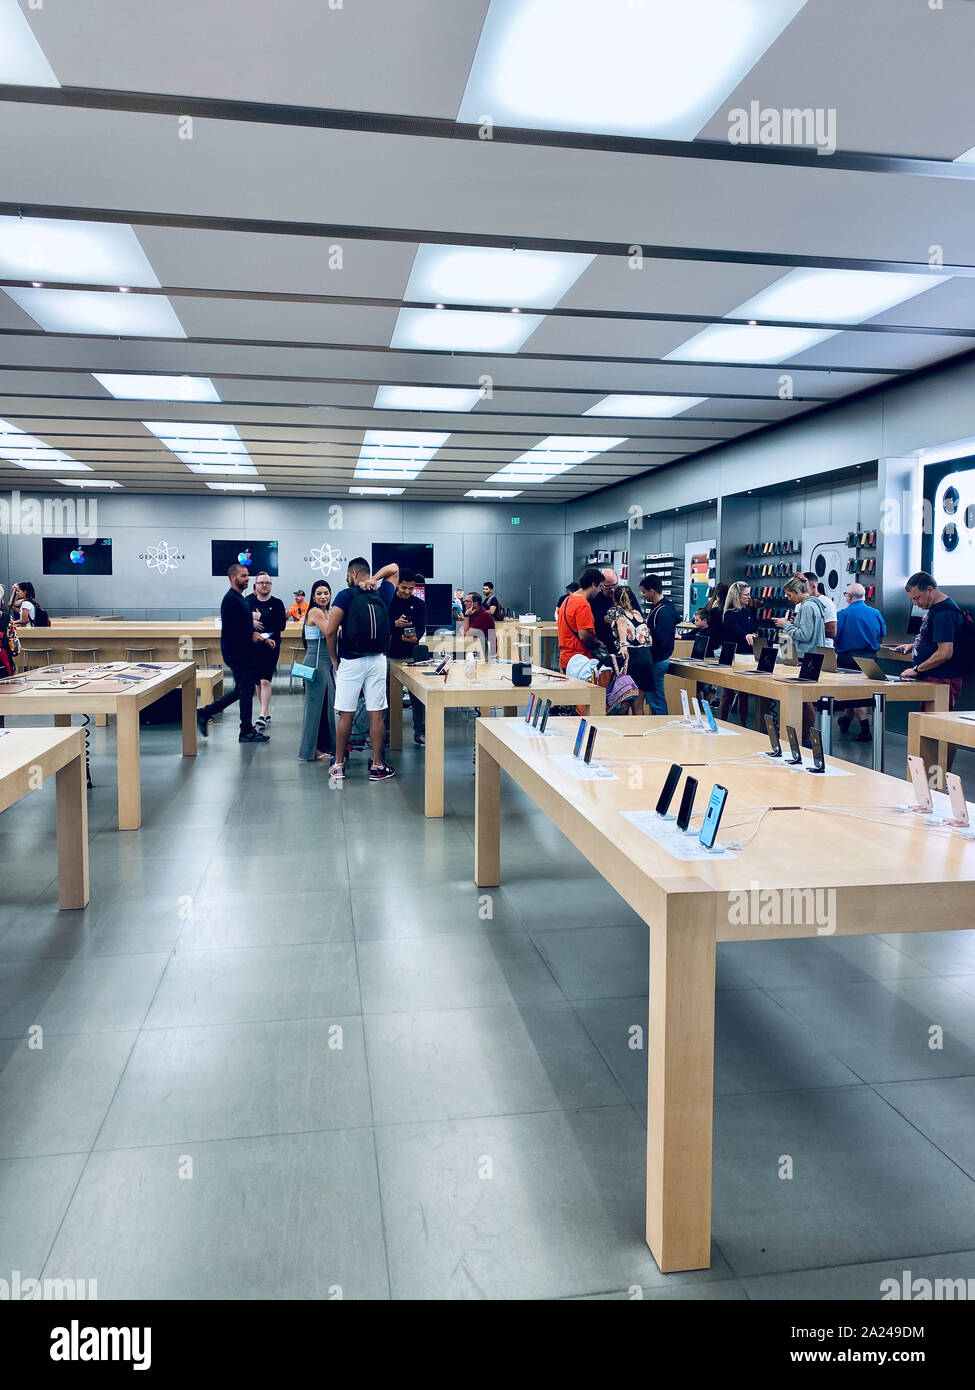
(110, 696)
(791, 695)
(934, 737)
(168, 641)
(492, 687)
(899, 876)
(524, 641)
(29, 757)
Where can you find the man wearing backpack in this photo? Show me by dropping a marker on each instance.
(943, 649)
(358, 635)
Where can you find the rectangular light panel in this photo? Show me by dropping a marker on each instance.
(92, 311)
(445, 330)
(425, 398)
(489, 275)
(236, 487)
(22, 60)
(91, 253)
(645, 407)
(396, 454)
(28, 452)
(157, 388)
(628, 67)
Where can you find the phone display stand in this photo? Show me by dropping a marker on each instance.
(529, 731)
(581, 771)
(680, 844)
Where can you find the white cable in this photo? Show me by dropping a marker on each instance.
(740, 844)
(862, 813)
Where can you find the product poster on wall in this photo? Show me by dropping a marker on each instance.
(700, 561)
(827, 555)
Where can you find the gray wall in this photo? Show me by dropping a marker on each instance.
(528, 563)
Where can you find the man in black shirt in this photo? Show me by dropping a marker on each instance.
(270, 620)
(604, 600)
(237, 642)
(938, 652)
(661, 616)
(408, 624)
(490, 601)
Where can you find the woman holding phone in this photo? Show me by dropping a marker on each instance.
(318, 721)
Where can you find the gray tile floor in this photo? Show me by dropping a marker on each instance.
(290, 1049)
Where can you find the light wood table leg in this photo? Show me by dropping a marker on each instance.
(681, 1083)
(129, 777)
(790, 706)
(188, 710)
(101, 721)
(487, 820)
(62, 721)
(433, 795)
(395, 711)
(72, 815)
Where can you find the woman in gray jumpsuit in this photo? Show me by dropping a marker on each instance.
(318, 722)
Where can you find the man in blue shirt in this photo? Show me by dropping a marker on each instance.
(358, 634)
(859, 632)
(237, 643)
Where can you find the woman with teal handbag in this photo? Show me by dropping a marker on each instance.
(318, 721)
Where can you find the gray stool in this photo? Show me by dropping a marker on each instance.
(89, 654)
(139, 653)
(32, 663)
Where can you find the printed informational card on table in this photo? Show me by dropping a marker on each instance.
(527, 731)
(668, 837)
(583, 772)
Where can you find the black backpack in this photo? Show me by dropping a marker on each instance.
(41, 616)
(366, 625)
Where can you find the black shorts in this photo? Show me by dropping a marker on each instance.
(266, 659)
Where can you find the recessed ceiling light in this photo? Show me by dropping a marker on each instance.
(377, 491)
(236, 487)
(644, 407)
(493, 496)
(89, 311)
(967, 158)
(203, 445)
(22, 60)
(426, 398)
(91, 253)
(570, 449)
(729, 342)
(38, 284)
(28, 452)
(835, 296)
(463, 331)
(123, 289)
(489, 275)
(396, 454)
(86, 482)
(647, 68)
(125, 387)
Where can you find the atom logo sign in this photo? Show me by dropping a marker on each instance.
(162, 557)
(326, 559)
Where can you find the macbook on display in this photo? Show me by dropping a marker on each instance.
(875, 672)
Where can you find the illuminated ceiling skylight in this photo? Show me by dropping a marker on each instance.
(554, 455)
(733, 342)
(91, 253)
(425, 398)
(630, 67)
(645, 407)
(157, 388)
(489, 275)
(21, 59)
(396, 454)
(28, 452)
(92, 311)
(834, 296)
(462, 331)
(204, 448)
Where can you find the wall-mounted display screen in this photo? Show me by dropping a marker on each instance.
(418, 559)
(77, 555)
(256, 555)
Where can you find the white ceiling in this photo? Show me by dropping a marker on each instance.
(297, 374)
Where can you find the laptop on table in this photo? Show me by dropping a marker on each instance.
(809, 669)
(875, 671)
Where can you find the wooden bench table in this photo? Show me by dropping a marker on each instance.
(29, 757)
(934, 736)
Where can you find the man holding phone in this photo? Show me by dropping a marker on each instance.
(408, 625)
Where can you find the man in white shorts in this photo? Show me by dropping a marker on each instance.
(358, 634)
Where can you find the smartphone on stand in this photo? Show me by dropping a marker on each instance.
(537, 713)
(587, 757)
(956, 795)
(796, 759)
(580, 735)
(712, 817)
(686, 805)
(816, 741)
(709, 716)
(530, 707)
(922, 788)
(546, 711)
(698, 717)
(667, 791)
(685, 705)
(773, 738)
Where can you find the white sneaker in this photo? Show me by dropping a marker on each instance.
(260, 722)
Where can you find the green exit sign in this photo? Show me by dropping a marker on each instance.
(516, 521)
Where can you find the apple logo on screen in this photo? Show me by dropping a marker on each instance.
(77, 556)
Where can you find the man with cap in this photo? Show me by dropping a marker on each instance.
(298, 609)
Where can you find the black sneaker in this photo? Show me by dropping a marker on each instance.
(381, 772)
(201, 724)
(844, 721)
(864, 736)
(253, 737)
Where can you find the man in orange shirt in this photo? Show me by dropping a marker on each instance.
(577, 636)
(299, 608)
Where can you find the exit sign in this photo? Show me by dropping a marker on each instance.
(516, 521)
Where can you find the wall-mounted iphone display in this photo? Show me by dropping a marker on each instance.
(919, 781)
(712, 816)
(580, 735)
(816, 743)
(956, 795)
(773, 738)
(587, 758)
(686, 804)
(709, 716)
(796, 758)
(668, 789)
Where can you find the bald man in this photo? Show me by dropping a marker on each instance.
(601, 605)
(859, 632)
